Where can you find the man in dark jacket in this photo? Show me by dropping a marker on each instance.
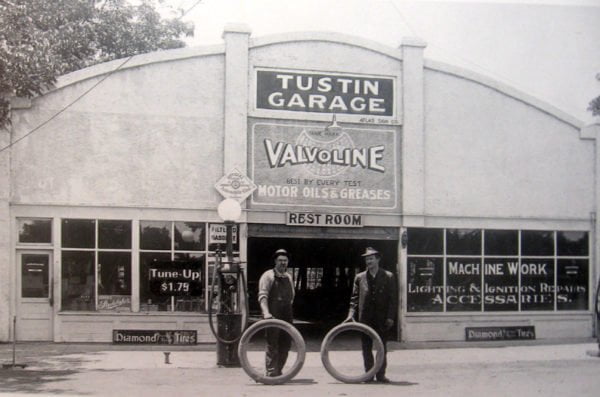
(374, 297)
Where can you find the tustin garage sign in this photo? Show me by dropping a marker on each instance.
(324, 93)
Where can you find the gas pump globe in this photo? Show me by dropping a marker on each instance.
(229, 317)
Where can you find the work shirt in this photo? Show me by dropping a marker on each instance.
(266, 282)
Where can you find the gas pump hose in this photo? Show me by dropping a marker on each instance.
(245, 310)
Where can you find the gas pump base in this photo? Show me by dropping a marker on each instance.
(229, 327)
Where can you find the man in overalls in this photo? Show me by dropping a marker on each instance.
(275, 296)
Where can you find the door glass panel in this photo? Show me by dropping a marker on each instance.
(34, 276)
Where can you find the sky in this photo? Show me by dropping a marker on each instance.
(549, 49)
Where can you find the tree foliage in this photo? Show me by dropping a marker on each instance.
(43, 39)
(594, 106)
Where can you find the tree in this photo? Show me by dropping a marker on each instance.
(594, 106)
(41, 39)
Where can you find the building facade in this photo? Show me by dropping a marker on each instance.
(481, 199)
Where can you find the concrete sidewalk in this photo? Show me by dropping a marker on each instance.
(448, 370)
(100, 356)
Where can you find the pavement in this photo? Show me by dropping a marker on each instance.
(448, 369)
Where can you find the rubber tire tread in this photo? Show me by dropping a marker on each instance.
(352, 326)
(297, 339)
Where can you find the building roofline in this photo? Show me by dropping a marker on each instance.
(332, 37)
(505, 89)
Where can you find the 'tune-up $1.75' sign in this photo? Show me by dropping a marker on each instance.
(175, 278)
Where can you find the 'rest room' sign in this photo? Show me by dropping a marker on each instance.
(325, 93)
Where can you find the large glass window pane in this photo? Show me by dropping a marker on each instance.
(78, 233)
(114, 234)
(572, 243)
(423, 241)
(537, 243)
(35, 231)
(114, 281)
(78, 281)
(463, 241)
(150, 301)
(155, 235)
(34, 276)
(190, 236)
(572, 284)
(193, 264)
(501, 242)
(537, 284)
(463, 290)
(501, 284)
(425, 292)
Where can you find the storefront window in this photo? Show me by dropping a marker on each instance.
(501, 242)
(537, 243)
(425, 241)
(96, 265)
(572, 244)
(572, 284)
(500, 283)
(155, 235)
(550, 270)
(78, 233)
(537, 284)
(463, 241)
(35, 231)
(190, 236)
(425, 284)
(172, 266)
(463, 284)
(114, 234)
(78, 281)
(114, 280)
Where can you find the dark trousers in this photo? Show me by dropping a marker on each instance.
(367, 351)
(278, 347)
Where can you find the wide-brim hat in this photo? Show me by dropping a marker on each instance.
(371, 251)
(280, 252)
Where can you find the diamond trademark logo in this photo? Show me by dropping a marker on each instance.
(235, 185)
(327, 141)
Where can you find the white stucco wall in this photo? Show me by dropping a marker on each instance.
(148, 136)
(490, 154)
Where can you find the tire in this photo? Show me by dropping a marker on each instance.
(259, 326)
(352, 326)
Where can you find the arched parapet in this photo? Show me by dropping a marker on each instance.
(504, 89)
(326, 37)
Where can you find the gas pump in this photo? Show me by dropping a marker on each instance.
(232, 303)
